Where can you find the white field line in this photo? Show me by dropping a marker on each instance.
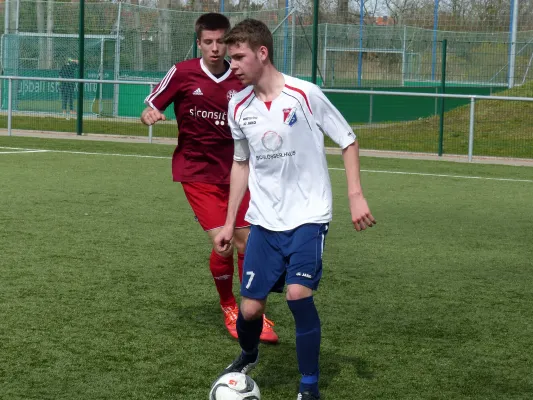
(80, 152)
(441, 175)
(23, 150)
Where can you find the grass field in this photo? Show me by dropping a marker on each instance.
(105, 291)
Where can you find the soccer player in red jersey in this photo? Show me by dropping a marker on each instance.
(200, 89)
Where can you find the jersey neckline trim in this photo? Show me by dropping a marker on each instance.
(213, 77)
(240, 103)
(301, 93)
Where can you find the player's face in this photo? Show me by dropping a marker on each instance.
(246, 63)
(212, 47)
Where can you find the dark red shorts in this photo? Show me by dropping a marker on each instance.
(209, 202)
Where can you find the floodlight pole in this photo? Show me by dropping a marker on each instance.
(314, 64)
(81, 62)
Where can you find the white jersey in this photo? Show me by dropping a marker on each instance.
(289, 180)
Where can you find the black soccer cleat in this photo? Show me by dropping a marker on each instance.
(241, 364)
(307, 396)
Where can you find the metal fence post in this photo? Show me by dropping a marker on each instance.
(443, 90)
(9, 106)
(471, 129)
(325, 56)
(314, 61)
(150, 127)
(286, 37)
(436, 102)
(434, 44)
(2, 82)
(116, 67)
(81, 67)
(404, 55)
(293, 38)
(512, 48)
(361, 43)
(371, 107)
(101, 72)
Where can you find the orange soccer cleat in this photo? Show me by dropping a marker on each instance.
(230, 319)
(268, 335)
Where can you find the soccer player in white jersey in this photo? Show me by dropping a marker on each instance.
(278, 123)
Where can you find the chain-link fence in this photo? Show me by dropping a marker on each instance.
(131, 41)
(403, 51)
(377, 56)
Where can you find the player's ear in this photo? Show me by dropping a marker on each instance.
(263, 53)
(199, 39)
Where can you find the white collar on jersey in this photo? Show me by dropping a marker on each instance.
(213, 77)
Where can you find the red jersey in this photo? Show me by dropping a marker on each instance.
(205, 145)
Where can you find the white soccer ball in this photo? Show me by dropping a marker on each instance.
(234, 386)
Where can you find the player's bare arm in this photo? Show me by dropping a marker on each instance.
(361, 216)
(150, 116)
(240, 171)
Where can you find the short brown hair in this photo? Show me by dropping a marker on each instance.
(211, 22)
(253, 32)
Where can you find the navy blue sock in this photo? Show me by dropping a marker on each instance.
(307, 341)
(249, 332)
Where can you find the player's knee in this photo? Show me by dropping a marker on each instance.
(240, 246)
(252, 309)
(226, 253)
(240, 238)
(297, 292)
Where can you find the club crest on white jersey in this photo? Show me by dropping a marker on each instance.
(289, 116)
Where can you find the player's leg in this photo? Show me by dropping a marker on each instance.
(308, 337)
(209, 209)
(264, 268)
(303, 276)
(242, 227)
(222, 268)
(240, 237)
(249, 327)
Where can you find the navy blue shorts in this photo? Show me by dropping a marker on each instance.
(275, 258)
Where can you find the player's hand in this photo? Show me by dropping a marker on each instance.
(223, 239)
(361, 216)
(150, 116)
